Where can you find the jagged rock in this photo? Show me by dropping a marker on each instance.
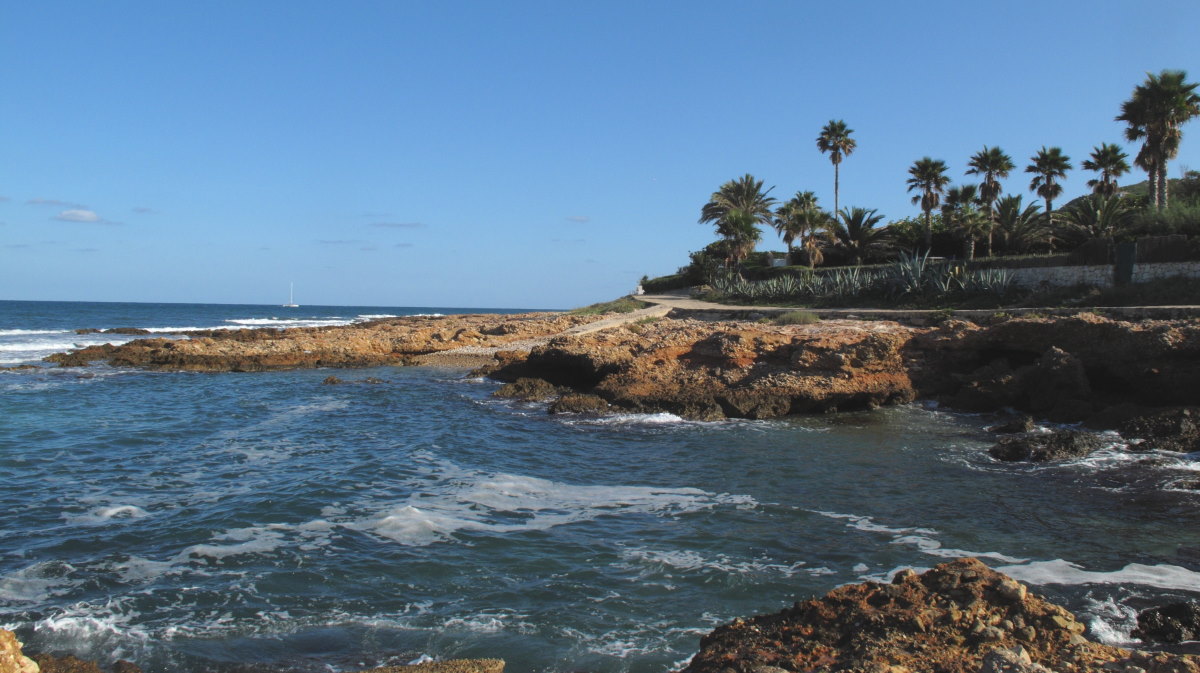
(331, 381)
(579, 403)
(448, 666)
(1015, 426)
(1172, 623)
(18, 368)
(951, 619)
(126, 330)
(1041, 447)
(528, 390)
(1174, 429)
(12, 660)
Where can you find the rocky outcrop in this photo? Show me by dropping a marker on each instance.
(956, 618)
(1041, 447)
(1174, 623)
(529, 390)
(448, 666)
(382, 342)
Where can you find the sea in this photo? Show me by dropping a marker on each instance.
(266, 522)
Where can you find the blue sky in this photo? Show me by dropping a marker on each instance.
(506, 154)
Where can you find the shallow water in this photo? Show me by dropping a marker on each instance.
(196, 521)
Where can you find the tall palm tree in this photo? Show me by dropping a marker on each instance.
(1153, 114)
(856, 232)
(1020, 228)
(799, 218)
(993, 164)
(836, 141)
(1109, 161)
(961, 215)
(745, 194)
(928, 178)
(1048, 167)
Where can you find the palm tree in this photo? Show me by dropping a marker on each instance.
(739, 229)
(745, 194)
(1153, 114)
(856, 232)
(836, 141)
(1098, 216)
(929, 179)
(1109, 161)
(799, 218)
(960, 214)
(992, 163)
(1048, 167)
(1020, 229)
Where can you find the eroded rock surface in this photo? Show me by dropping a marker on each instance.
(947, 620)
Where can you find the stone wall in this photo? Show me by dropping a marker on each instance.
(1099, 275)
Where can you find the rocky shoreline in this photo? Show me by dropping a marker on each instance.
(1141, 379)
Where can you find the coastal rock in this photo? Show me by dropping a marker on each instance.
(1172, 623)
(1173, 429)
(528, 390)
(73, 664)
(1015, 426)
(12, 660)
(448, 666)
(951, 619)
(126, 330)
(579, 403)
(1041, 447)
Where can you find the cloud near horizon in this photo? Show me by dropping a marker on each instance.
(579, 219)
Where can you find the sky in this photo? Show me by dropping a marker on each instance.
(507, 154)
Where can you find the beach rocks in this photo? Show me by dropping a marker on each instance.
(529, 390)
(448, 666)
(579, 403)
(1172, 623)
(1041, 447)
(959, 617)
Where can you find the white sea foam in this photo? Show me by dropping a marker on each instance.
(691, 561)
(469, 501)
(1111, 622)
(1058, 571)
(35, 583)
(105, 515)
(21, 332)
(921, 538)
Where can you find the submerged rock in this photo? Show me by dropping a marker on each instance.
(579, 403)
(1172, 623)
(1041, 447)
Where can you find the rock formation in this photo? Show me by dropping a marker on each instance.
(954, 618)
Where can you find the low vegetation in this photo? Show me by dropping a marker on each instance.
(622, 305)
(797, 318)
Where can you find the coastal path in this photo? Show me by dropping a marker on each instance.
(476, 356)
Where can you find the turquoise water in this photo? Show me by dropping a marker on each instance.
(194, 522)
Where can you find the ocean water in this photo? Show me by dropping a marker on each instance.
(205, 522)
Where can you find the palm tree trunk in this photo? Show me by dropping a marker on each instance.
(835, 191)
(1163, 183)
(928, 232)
(1152, 176)
(991, 227)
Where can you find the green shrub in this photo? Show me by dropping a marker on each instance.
(622, 305)
(797, 318)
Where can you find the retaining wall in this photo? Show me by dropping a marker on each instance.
(1099, 275)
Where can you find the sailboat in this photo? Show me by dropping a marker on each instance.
(291, 297)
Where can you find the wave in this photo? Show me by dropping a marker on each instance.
(921, 538)
(22, 332)
(692, 561)
(1058, 571)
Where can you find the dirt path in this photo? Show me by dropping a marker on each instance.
(477, 356)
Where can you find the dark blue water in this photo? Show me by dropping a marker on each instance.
(191, 522)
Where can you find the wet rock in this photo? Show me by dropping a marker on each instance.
(579, 403)
(448, 666)
(1015, 426)
(82, 357)
(87, 330)
(528, 390)
(18, 368)
(12, 660)
(126, 330)
(331, 381)
(1172, 623)
(1173, 429)
(1042, 447)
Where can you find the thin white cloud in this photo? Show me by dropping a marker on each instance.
(142, 210)
(579, 219)
(398, 225)
(78, 215)
(56, 203)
